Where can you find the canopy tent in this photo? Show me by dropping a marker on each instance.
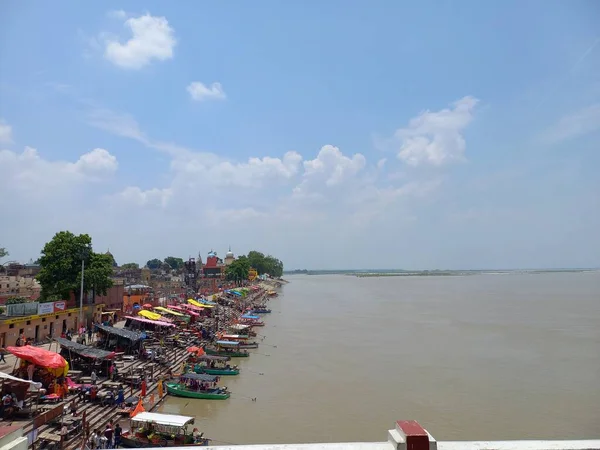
(171, 420)
(193, 302)
(84, 350)
(152, 322)
(200, 377)
(34, 384)
(42, 358)
(183, 310)
(191, 307)
(153, 316)
(169, 311)
(133, 336)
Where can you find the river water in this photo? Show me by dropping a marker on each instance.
(475, 357)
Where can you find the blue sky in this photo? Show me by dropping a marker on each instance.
(330, 134)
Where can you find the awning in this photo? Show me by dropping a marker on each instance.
(6, 376)
(152, 322)
(39, 356)
(170, 420)
(84, 350)
(150, 315)
(184, 311)
(199, 377)
(168, 311)
(194, 307)
(133, 336)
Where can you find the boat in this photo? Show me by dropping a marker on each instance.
(195, 385)
(241, 338)
(215, 365)
(260, 311)
(227, 348)
(150, 429)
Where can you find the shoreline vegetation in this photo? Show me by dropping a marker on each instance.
(431, 273)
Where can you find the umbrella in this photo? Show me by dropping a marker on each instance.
(199, 351)
(148, 306)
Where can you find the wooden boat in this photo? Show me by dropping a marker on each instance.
(241, 338)
(227, 348)
(161, 430)
(193, 385)
(260, 311)
(217, 370)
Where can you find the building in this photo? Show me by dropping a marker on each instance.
(229, 258)
(18, 286)
(38, 321)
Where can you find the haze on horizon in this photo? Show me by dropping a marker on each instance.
(413, 136)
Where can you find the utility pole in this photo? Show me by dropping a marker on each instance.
(81, 293)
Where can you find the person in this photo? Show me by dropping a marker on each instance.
(63, 435)
(120, 395)
(2, 353)
(73, 408)
(94, 377)
(117, 437)
(93, 441)
(111, 372)
(144, 387)
(89, 335)
(108, 434)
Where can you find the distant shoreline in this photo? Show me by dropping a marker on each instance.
(430, 273)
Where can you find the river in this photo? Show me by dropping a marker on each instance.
(479, 357)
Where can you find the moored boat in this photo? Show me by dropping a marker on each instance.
(196, 385)
(215, 365)
(227, 348)
(161, 430)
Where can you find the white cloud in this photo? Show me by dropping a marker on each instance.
(117, 14)
(5, 133)
(152, 39)
(574, 125)
(200, 92)
(436, 137)
(28, 172)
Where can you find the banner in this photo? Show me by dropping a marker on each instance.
(45, 308)
(60, 306)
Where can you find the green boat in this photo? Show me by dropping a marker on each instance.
(191, 385)
(217, 370)
(227, 348)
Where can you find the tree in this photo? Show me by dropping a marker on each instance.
(129, 266)
(16, 300)
(154, 264)
(60, 267)
(113, 261)
(265, 264)
(3, 252)
(175, 263)
(238, 270)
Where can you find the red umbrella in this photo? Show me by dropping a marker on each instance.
(148, 306)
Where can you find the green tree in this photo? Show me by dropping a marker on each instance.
(175, 263)
(238, 270)
(131, 265)
(15, 300)
(265, 264)
(60, 267)
(154, 264)
(3, 252)
(113, 261)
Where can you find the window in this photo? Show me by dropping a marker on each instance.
(28, 322)
(12, 325)
(44, 319)
(70, 313)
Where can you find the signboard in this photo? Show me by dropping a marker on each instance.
(22, 309)
(45, 308)
(37, 316)
(60, 306)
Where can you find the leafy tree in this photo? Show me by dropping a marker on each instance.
(16, 300)
(113, 261)
(60, 271)
(238, 270)
(154, 264)
(265, 264)
(3, 252)
(175, 263)
(129, 266)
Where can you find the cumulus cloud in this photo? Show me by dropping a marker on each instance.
(5, 132)
(200, 92)
(436, 138)
(152, 38)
